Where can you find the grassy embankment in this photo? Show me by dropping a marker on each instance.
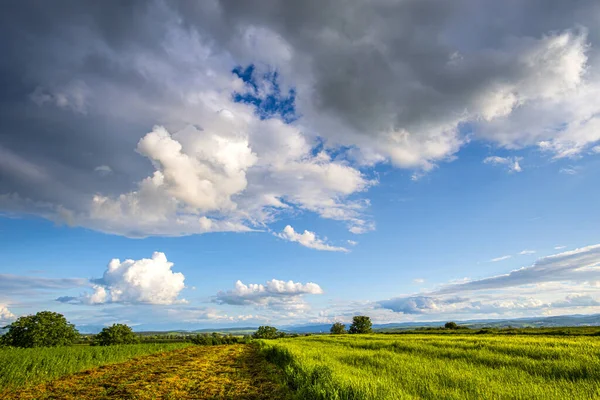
(439, 366)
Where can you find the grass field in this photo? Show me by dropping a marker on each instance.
(439, 366)
(196, 372)
(30, 366)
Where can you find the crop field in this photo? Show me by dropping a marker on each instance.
(439, 366)
(29, 366)
(195, 372)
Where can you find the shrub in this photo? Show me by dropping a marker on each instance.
(451, 325)
(338, 328)
(116, 334)
(266, 332)
(44, 329)
(361, 324)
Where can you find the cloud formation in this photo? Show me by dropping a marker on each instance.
(145, 281)
(274, 294)
(511, 163)
(565, 280)
(307, 239)
(380, 82)
(5, 315)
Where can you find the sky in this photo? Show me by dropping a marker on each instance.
(218, 163)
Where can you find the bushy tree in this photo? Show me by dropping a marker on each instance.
(451, 325)
(361, 324)
(266, 332)
(44, 329)
(337, 328)
(116, 334)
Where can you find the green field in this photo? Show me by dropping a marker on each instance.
(439, 366)
(20, 367)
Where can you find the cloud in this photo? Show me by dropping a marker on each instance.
(526, 252)
(352, 242)
(512, 163)
(307, 239)
(570, 274)
(275, 294)
(5, 315)
(346, 98)
(571, 170)
(596, 149)
(145, 281)
(559, 247)
(576, 265)
(419, 280)
(27, 285)
(103, 170)
(500, 258)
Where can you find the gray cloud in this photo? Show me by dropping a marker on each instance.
(18, 284)
(84, 81)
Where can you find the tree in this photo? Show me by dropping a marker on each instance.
(337, 328)
(116, 334)
(450, 325)
(361, 324)
(265, 332)
(44, 329)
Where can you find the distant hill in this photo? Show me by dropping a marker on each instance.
(555, 321)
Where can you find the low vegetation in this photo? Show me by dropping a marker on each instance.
(216, 372)
(19, 366)
(439, 366)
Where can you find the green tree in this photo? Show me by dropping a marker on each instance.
(265, 332)
(116, 334)
(44, 329)
(337, 328)
(451, 325)
(361, 324)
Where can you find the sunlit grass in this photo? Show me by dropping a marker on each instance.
(439, 367)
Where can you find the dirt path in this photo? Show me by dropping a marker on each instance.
(197, 372)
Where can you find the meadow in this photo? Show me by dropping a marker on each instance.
(433, 366)
(20, 367)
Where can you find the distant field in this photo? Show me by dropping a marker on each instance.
(30, 366)
(196, 372)
(439, 366)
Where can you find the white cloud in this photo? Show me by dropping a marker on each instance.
(596, 149)
(559, 247)
(5, 315)
(571, 170)
(526, 252)
(145, 281)
(352, 242)
(103, 170)
(565, 280)
(500, 258)
(274, 294)
(307, 239)
(419, 280)
(512, 163)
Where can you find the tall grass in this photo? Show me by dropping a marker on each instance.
(20, 367)
(439, 367)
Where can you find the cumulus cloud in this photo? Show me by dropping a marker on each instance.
(511, 163)
(274, 294)
(307, 239)
(145, 281)
(5, 315)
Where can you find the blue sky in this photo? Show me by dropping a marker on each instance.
(268, 175)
